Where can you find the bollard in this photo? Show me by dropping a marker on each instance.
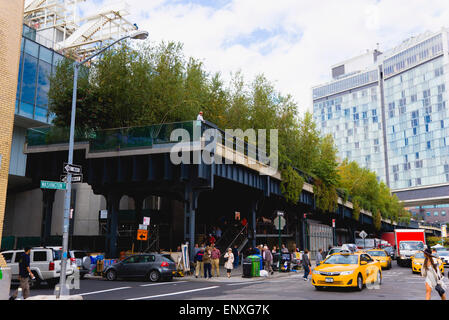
(57, 291)
(19, 294)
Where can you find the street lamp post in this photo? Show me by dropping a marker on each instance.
(140, 35)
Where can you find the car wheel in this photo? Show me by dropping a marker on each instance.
(111, 275)
(359, 283)
(154, 276)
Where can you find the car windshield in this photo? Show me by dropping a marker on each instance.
(377, 253)
(419, 255)
(342, 259)
(334, 251)
(411, 245)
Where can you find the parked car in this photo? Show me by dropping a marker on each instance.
(150, 266)
(82, 261)
(333, 250)
(45, 264)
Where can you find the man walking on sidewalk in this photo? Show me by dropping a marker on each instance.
(215, 256)
(24, 275)
(306, 264)
(319, 257)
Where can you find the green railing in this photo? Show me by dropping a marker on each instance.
(115, 139)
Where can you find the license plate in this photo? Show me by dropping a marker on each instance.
(330, 280)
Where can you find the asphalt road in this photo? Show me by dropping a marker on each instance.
(398, 284)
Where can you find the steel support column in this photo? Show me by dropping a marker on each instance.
(113, 202)
(48, 198)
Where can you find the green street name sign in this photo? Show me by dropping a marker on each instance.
(53, 185)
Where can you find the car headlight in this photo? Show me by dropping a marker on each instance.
(316, 272)
(419, 264)
(346, 273)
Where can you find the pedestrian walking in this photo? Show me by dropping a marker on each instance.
(207, 263)
(199, 267)
(319, 257)
(235, 252)
(306, 264)
(434, 279)
(24, 275)
(215, 259)
(229, 264)
(268, 259)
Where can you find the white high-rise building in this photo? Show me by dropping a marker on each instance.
(387, 111)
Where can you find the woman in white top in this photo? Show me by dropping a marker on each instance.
(229, 264)
(431, 271)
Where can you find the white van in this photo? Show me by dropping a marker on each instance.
(45, 263)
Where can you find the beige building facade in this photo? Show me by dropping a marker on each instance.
(11, 16)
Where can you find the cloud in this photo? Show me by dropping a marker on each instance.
(293, 42)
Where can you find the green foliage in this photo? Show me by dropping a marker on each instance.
(356, 210)
(128, 87)
(377, 219)
(291, 185)
(431, 241)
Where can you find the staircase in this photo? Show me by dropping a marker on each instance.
(233, 236)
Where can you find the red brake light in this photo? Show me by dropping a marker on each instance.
(51, 266)
(164, 264)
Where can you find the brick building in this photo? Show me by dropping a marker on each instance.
(11, 16)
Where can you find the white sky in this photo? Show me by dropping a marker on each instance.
(292, 42)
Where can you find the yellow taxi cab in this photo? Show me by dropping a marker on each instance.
(347, 269)
(382, 256)
(418, 260)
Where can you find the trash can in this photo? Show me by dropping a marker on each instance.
(255, 265)
(246, 265)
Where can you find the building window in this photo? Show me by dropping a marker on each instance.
(443, 213)
(435, 214)
(428, 214)
(418, 181)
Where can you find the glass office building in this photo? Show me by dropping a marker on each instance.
(397, 124)
(349, 109)
(37, 63)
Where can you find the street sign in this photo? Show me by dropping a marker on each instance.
(53, 185)
(72, 168)
(444, 231)
(146, 221)
(279, 222)
(75, 178)
(333, 223)
(362, 234)
(280, 213)
(142, 235)
(143, 227)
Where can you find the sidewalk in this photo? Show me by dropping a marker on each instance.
(236, 276)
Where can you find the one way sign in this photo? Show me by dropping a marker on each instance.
(72, 168)
(75, 178)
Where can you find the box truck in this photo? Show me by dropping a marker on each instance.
(408, 242)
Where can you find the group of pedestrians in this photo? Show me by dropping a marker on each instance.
(207, 261)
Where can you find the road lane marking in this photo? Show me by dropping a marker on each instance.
(174, 293)
(101, 291)
(158, 284)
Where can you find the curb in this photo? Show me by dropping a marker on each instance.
(53, 297)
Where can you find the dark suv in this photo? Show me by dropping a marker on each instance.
(150, 266)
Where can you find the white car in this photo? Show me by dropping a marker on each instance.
(45, 263)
